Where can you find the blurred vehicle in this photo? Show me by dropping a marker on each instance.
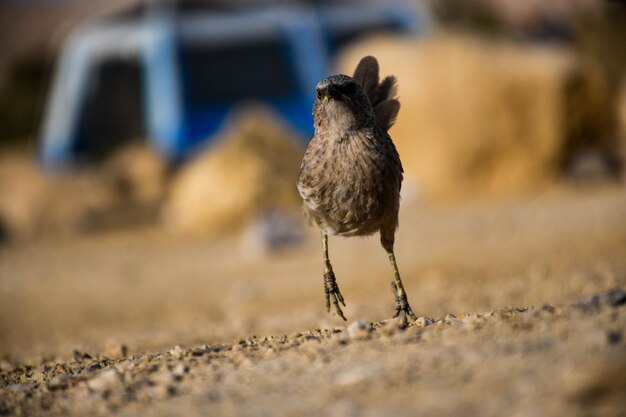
(172, 71)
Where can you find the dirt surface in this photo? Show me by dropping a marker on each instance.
(517, 317)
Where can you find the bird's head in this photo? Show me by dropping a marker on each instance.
(341, 104)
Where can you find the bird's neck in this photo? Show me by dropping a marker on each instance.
(340, 128)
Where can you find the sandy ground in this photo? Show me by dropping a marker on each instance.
(90, 325)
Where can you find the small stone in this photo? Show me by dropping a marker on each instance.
(612, 298)
(94, 367)
(161, 391)
(162, 377)
(424, 321)
(614, 337)
(179, 370)
(359, 329)
(272, 231)
(244, 361)
(79, 356)
(452, 320)
(357, 374)
(177, 352)
(105, 380)
(59, 382)
(472, 321)
(267, 351)
(38, 376)
(125, 366)
(209, 349)
(391, 327)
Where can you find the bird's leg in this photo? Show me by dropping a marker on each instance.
(402, 303)
(331, 290)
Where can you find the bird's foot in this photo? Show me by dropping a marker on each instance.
(403, 308)
(331, 291)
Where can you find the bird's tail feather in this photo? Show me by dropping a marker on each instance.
(382, 94)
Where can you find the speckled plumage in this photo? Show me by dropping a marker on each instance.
(351, 173)
(350, 181)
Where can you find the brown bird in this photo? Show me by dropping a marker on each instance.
(351, 174)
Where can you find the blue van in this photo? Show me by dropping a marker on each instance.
(172, 71)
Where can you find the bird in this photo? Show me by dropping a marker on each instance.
(351, 173)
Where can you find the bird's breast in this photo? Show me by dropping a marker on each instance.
(347, 184)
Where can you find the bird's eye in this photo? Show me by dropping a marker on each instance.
(350, 89)
(319, 94)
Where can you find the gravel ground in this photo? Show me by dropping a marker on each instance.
(546, 360)
(140, 323)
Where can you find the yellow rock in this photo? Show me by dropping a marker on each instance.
(253, 168)
(484, 117)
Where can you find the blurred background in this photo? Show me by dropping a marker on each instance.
(149, 152)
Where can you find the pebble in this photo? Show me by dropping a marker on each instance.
(472, 321)
(614, 337)
(359, 330)
(272, 231)
(177, 352)
(105, 380)
(162, 377)
(180, 370)
(424, 321)
(38, 377)
(391, 327)
(612, 298)
(356, 375)
(59, 382)
(161, 391)
(94, 367)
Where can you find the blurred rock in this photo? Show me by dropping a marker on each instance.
(392, 326)
(359, 330)
(22, 191)
(489, 118)
(177, 352)
(272, 231)
(547, 21)
(179, 371)
(108, 379)
(38, 377)
(125, 191)
(612, 298)
(358, 374)
(424, 321)
(252, 169)
(136, 172)
(33, 203)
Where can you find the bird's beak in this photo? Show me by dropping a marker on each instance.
(325, 99)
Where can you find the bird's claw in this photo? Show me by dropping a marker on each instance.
(331, 291)
(402, 306)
